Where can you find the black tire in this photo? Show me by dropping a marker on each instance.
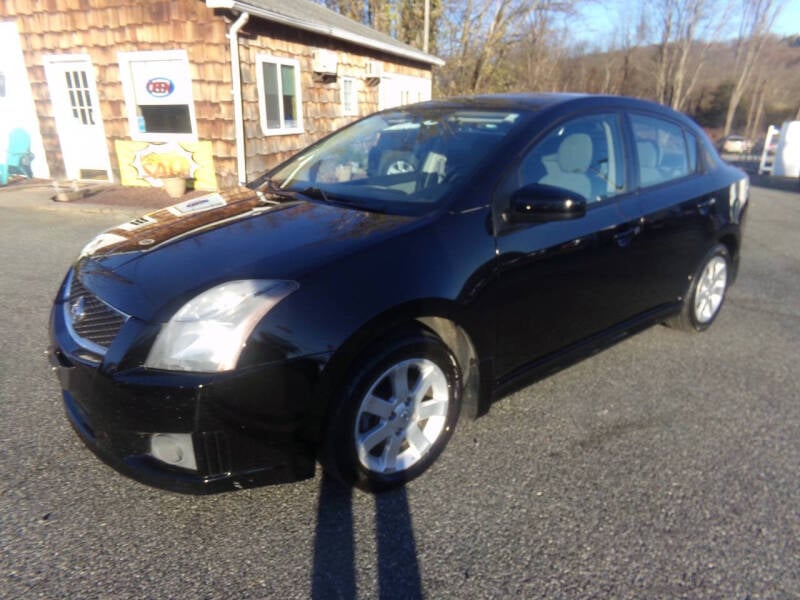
(699, 309)
(351, 424)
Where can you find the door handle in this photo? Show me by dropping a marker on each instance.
(625, 237)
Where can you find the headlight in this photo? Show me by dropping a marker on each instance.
(210, 331)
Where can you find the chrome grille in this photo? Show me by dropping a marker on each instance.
(91, 319)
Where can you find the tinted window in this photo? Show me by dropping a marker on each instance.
(583, 155)
(166, 118)
(661, 149)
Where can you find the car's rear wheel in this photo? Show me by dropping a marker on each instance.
(706, 292)
(396, 414)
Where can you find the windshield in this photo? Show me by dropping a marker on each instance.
(404, 161)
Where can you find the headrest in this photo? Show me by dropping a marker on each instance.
(575, 153)
(648, 155)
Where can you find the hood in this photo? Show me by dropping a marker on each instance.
(153, 264)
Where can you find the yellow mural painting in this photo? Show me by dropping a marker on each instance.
(148, 164)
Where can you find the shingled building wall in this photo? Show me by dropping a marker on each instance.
(102, 28)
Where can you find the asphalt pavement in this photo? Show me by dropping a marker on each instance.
(664, 467)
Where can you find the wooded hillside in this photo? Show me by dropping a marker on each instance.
(715, 60)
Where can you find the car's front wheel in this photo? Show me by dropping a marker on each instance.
(395, 415)
(706, 292)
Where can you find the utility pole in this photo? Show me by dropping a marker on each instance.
(426, 35)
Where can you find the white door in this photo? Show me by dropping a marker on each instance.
(73, 93)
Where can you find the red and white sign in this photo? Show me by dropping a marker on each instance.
(161, 82)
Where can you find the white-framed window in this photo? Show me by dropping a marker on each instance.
(279, 100)
(158, 95)
(398, 90)
(349, 89)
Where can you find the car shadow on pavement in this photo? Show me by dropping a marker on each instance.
(334, 574)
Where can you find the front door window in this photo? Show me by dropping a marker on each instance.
(583, 155)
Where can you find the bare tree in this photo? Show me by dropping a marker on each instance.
(381, 15)
(411, 28)
(489, 44)
(687, 30)
(756, 111)
(629, 35)
(540, 58)
(353, 9)
(758, 17)
(402, 19)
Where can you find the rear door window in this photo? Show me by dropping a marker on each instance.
(661, 150)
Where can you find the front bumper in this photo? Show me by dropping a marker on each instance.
(246, 428)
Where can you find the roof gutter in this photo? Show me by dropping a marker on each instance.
(238, 113)
(333, 32)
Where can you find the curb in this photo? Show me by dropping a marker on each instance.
(40, 196)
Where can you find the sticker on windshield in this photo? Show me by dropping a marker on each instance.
(197, 205)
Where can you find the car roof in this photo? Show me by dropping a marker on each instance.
(528, 102)
(534, 102)
(548, 106)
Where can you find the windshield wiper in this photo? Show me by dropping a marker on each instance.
(274, 194)
(317, 193)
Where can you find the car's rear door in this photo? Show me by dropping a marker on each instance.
(677, 207)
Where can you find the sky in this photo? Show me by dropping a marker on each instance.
(600, 20)
(789, 20)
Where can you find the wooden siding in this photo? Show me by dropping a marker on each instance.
(102, 28)
(322, 106)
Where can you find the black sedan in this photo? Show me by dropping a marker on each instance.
(420, 263)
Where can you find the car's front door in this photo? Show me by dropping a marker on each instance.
(562, 281)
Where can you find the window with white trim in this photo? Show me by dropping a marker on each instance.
(158, 94)
(349, 96)
(398, 90)
(279, 100)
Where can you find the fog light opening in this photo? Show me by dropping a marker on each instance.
(174, 449)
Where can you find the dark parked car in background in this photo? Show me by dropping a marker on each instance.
(416, 265)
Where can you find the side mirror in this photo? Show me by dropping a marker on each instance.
(537, 203)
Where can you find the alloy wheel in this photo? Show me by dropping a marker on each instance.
(710, 289)
(401, 416)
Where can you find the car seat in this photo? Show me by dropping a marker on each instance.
(574, 158)
(648, 163)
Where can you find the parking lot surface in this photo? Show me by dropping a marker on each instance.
(667, 466)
